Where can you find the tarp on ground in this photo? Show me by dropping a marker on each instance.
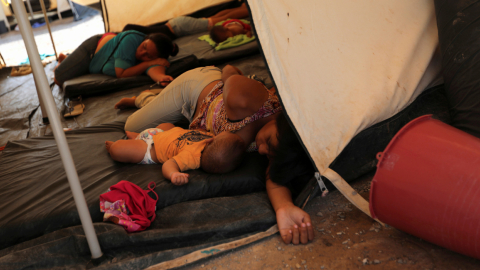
(286, 76)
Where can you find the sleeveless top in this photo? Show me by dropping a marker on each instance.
(213, 117)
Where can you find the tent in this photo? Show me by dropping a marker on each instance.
(383, 59)
(352, 80)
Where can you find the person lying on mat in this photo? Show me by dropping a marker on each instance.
(126, 54)
(287, 162)
(185, 25)
(211, 99)
(229, 29)
(195, 95)
(180, 150)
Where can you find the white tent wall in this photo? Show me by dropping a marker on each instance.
(342, 66)
(118, 13)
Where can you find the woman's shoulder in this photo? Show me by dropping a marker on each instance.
(129, 36)
(132, 33)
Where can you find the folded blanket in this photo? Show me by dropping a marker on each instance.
(229, 43)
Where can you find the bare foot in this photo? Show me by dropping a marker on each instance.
(61, 57)
(108, 144)
(125, 103)
(131, 135)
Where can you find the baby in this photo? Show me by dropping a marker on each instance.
(228, 29)
(180, 150)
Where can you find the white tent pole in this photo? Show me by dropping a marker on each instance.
(43, 90)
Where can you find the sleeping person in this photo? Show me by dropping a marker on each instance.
(218, 101)
(126, 54)
(180, 150)
(185, 25)
(228, 29)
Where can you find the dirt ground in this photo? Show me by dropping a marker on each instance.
(345, 238)
(67, 35)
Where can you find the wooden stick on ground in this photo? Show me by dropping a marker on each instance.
(210, 251)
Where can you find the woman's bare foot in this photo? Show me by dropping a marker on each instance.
(125, 103)
(108, 144)
(131, 135)
(61, 57)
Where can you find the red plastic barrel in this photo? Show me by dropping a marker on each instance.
(428, 184)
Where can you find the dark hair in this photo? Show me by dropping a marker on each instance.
(289, 159)
(164, 44)
(224, 154)
(218, 34)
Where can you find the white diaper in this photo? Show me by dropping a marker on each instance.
(147, 136)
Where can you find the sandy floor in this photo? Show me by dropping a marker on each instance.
(345, 238)
(67, 35)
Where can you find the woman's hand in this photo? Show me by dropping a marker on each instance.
(157, 73)
(179, 178)
(165, 80)
(295, 225)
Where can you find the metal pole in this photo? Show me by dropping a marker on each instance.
(46, 96)
(48, 25)
(30, 8)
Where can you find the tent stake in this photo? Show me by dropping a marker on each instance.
(210, 251)
(46, 96)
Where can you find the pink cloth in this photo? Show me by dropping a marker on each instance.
(130, 204)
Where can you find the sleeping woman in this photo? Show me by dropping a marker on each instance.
(126, 54)
(225, 100)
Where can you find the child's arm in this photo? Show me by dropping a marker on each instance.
(166, 126)
(293, 223)
(172, 172)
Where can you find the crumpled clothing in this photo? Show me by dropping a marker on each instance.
(117, 213)
(130, 204)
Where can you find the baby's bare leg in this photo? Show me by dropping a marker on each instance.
(128, 151)
(108, 144)
(131, 135)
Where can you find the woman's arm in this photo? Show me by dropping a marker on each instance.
(132, 71)
(140, 68)
(294, 224)
(228, 71)
(158, 75)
